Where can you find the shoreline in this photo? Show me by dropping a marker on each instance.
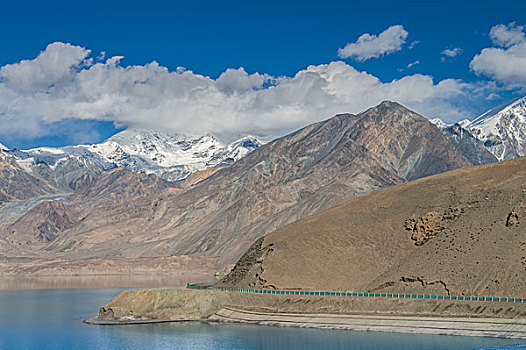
(97, 322)
(457, 326)
(474, 327)
(425, 316)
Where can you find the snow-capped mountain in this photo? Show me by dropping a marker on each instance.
(169, 156)
(439, 123)
(503, 129)
(468, 145)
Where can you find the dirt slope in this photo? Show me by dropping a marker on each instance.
(461, 232)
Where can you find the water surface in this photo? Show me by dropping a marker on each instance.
(52, 319)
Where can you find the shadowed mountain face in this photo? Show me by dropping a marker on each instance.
(317, 167)
(468, 145)
(458, 233)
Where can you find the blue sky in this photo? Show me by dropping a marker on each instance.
(276, 38)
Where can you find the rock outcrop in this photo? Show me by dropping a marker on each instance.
(516, 215)
(424, 228)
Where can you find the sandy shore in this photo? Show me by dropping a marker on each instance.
(461, 326)
(477, 327)
(100, 322)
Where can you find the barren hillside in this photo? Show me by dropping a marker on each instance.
(461, 232)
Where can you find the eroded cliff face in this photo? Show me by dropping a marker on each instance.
(458, 233)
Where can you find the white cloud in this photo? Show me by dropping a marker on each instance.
(238, 80)
(507, 35)
(452, 52)
(412, 64)
(372, 46)
(413, 44)
(55, 64)
(36, 94)
(506, 63)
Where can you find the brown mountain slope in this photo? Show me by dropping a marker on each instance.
(310, 170)
(462, 232)
(16, 183)
(42, 224)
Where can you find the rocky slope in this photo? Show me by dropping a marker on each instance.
(39, 202)
(458, 233)
(42, 224)
(16, 183)
(310, 170)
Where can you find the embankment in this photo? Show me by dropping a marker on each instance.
(475, 318)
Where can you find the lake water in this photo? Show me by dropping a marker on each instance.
(52, 319)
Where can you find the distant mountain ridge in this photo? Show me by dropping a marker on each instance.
(466, 143)
(169, 156)
(312, 169)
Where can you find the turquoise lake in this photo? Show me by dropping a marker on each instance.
(52, 319)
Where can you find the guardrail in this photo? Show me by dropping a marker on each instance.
(202, 285)
(210, 285)
(506, 347)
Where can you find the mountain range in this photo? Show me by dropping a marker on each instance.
(143, 195)
(169, 156)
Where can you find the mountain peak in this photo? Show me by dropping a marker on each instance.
(464, 123)
(388, 103)
(503, 108)
(392, 112)
(503, 129)
(439, 123)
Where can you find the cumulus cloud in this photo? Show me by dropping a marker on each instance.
(505, 63)
(54, 65)
(64, 84)
(507, 35)
(239, 81)
(373, 46)
(413, 44)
